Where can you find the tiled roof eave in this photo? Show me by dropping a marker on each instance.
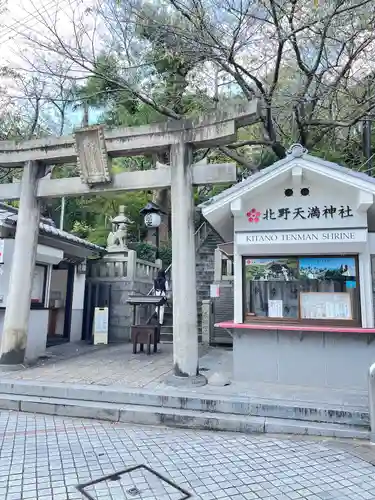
(10, 219)
(68, 237)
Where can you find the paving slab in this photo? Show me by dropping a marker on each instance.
(45, 458)
(114, 364)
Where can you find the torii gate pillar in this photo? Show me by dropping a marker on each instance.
(17, 312)
(185, 336)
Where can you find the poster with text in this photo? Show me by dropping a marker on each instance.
(275, 308)
(329, 305)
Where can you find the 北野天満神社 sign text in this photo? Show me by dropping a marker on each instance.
(305, 213)
(338, 236)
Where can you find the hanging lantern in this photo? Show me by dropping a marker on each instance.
(152, 214)
(152, 219)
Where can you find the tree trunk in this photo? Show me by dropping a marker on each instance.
(162, 198)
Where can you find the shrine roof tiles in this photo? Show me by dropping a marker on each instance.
(9, 214)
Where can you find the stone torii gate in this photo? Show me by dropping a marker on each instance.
(93, 148)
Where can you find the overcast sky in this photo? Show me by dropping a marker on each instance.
(20, 18)
(23, 17)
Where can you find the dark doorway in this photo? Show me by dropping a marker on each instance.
(61, 302)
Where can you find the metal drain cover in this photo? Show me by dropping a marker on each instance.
(135, 483)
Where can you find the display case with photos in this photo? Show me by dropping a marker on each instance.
(301, 289)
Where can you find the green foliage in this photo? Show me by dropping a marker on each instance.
(90, 217)
(98, 236)
(108, 93)
(81, 229)
(146, 251)
(117, 114)
(348, 154)
(94, 215)
(165, 254)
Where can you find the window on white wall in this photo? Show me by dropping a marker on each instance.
(302, 289)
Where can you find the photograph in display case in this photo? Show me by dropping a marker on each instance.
(327, 268)
(271, 269)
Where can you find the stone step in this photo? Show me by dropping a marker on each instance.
(169, 398)
(173, 417)
(166, 337)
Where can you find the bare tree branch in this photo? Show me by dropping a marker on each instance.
(308, 67)
(239, 159)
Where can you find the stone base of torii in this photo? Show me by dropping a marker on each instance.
(92, 148)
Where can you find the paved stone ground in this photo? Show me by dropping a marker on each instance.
(45, 457)
(116, 365)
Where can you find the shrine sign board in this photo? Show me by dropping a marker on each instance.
(310, 212)
(318, 236)
(93, 161)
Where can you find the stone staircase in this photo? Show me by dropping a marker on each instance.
(202, 410)
(166, 333)
(206, 241)
(205, 269)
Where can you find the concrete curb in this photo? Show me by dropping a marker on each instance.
(193, 401)
(172, 417)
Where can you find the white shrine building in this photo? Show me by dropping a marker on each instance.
(303, 248)
(57, 298)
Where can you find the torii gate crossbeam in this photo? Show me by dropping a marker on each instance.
(93, 148)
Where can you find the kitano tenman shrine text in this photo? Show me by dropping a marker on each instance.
(292, 236)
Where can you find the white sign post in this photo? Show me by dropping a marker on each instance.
(1, 251)
(100, 332)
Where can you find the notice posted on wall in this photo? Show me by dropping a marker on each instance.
(38, 284)
(214, 291)
(326, 305)
(275, 308)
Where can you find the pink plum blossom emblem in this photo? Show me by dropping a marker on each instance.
(253, 215)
